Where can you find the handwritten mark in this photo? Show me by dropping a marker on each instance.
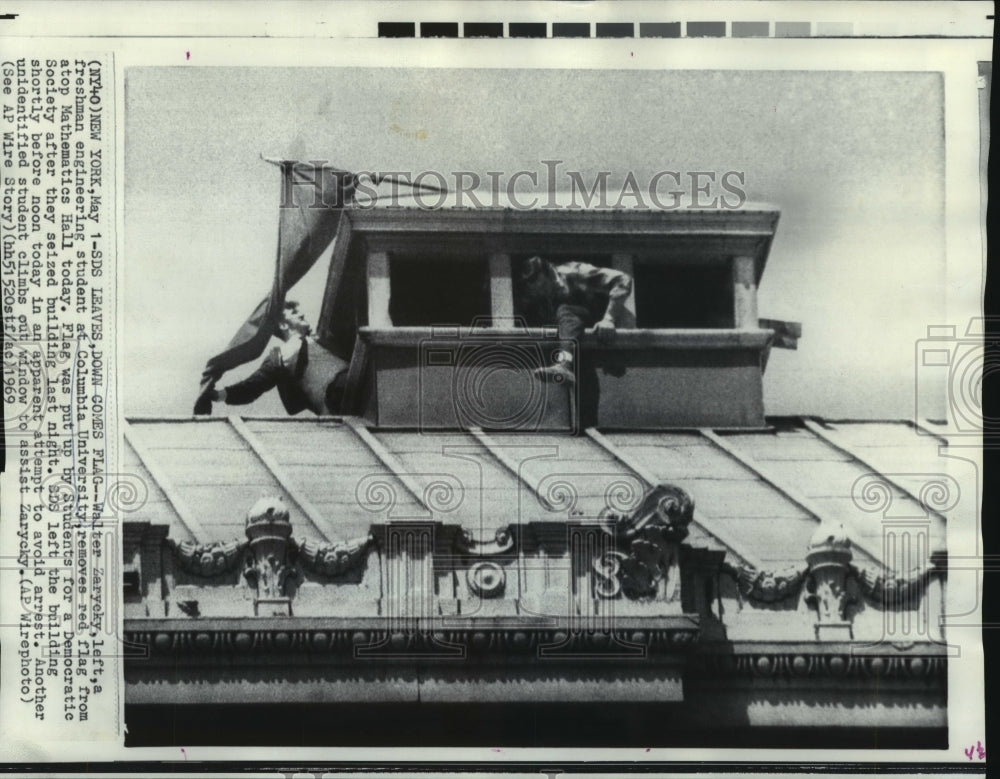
(977, 750)
(184, 753)
(187, 55)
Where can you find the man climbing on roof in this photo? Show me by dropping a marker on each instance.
(305, 373)
(573, 296)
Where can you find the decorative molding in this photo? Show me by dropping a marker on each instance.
(826, 573)
(805, 664)
(486, 579)
(829, 557)
(646, 563)
(886, 587)
(341, 640)
(891, 588)
(212, 559)
(767, 586)
(333, 559)
(502, 542)
(269, 531)
(269, 552)
(747, 231)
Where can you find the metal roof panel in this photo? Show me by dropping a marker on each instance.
(332, 468)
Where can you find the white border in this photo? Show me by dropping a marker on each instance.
(955, 59)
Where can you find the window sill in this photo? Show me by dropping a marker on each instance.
(728, 338)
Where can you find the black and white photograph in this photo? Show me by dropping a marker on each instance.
(537, 387)
(527, 408)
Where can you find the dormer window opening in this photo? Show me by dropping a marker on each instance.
(431, 290)
(683, 295)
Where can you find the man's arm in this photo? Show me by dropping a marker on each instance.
(619, 286)
(262, 380)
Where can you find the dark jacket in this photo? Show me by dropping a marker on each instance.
(315, 380)
(601, 291)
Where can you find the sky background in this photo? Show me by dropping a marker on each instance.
(855, 162)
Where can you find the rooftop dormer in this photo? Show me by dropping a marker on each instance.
(425, 305)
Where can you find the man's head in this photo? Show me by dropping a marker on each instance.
(293, 322)
(539, 278)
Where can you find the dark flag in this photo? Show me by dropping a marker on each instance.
(313, 197)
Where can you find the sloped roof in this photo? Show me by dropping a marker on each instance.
(758, 495)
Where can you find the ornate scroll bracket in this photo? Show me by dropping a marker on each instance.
(644, 565)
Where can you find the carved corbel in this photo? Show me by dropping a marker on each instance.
(644, 563)
(829, 558)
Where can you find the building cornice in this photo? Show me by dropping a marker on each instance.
(778, 661)
(360, 639)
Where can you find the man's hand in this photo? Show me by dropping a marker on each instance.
(203, 405)
(605, 332)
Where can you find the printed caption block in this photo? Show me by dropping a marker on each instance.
(58, 540)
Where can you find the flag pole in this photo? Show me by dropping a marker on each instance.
(275, 160)
(376, 178)
(396, 179)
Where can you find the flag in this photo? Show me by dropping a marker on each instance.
(313, 197)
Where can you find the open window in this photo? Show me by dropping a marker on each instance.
(427, 291)
(530, 300)
(670, 295)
